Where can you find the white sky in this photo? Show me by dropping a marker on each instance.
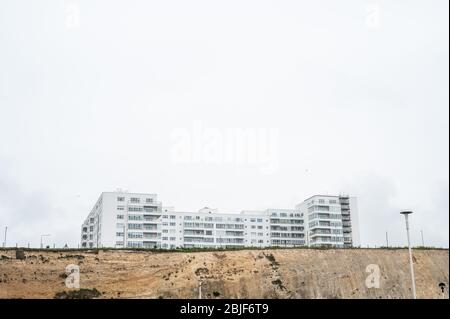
(357, 91)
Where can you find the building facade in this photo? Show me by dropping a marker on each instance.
(135, 220)
(331, 221)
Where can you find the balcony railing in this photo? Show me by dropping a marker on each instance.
(346, 224)
(153, 236)
(318, 232)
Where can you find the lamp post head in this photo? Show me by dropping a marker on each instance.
(407, 212)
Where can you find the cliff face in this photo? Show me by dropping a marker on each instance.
(280, 273)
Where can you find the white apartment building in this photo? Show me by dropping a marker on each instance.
(331, 221)
(119, 218)
(135, 220)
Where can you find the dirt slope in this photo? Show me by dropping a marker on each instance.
(280, 273)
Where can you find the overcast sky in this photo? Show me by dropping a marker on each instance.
(346, 96)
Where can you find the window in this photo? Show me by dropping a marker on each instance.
(172, 238)
(149, 200)
(259, 220)
(135, 209)
(120, 199)
(120, 216)
(119, 234)
(91, 228)
(198, 225)
(134, 244)
(173, 216)
(119, 225)
(134, 226)
(332, 201)
(321, 201)
(134, 200)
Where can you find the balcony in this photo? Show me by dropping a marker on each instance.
(323, 237)
(154, 204)
(151, 244)
(346, 224)
(150, 218)
(151, 236)
(150, 228)
(286, 221)
(153, 213)
(323, 224)
(321, 231)
(232, 234)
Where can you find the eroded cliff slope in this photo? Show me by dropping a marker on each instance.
(277, 273)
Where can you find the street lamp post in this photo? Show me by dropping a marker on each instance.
(421, 234)
(6, 231)
(411, 266)
(387, 240)
(41, 239)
